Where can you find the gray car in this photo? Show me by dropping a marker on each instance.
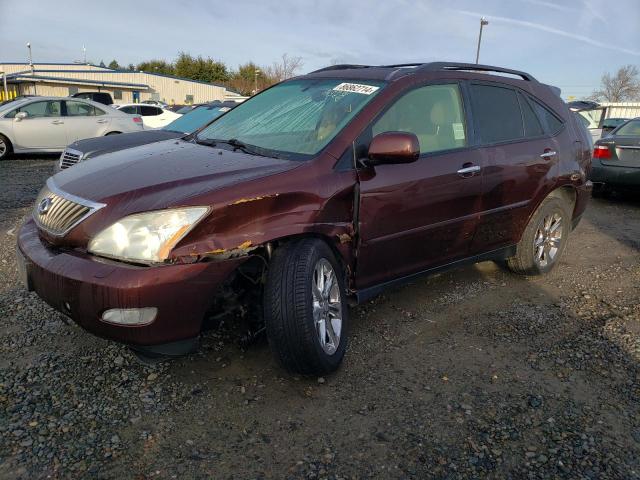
(616, 159)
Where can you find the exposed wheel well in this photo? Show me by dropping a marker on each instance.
(567, 193)
(326, 239)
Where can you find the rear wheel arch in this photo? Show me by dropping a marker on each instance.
(567, 193)
(112, 133)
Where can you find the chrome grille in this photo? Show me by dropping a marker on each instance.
(69, 158)
(57, 212)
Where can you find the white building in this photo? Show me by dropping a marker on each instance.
(125, 86)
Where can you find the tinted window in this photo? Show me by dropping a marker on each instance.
(550, 122)
(147, 111)
(497, 113)
(40, 109)
(630, 129)
(79, 109)
(433, 113)
(131, 109)
(532, 127)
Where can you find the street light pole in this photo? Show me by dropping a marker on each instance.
(483, 22)
(31, 67)
(30, 58)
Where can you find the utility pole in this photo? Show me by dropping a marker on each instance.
(255, 80)
(84, 55)
(483, 22)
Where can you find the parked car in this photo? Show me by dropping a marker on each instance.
(594, 117)
(100, 97)
(48, 124)
(83, 150)
(157, 103)
(616, 159)
(609, 124)
(152, 116)
(322, 189)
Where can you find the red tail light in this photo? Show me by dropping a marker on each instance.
(601, 151)
(137, 119)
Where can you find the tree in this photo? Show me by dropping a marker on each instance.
(113, 65)
(131, 67)
(102, 64)
(156, 66)
(624, 86)
(286, 68)
(244, 80)
(202, 69)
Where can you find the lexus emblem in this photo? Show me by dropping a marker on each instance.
(44, 205)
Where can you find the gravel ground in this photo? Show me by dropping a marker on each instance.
(467, 374)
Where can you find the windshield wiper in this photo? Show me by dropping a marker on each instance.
(235, 143)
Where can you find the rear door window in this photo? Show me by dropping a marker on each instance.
(497, 113)
(433, 113)
(147, 111)
(79, 109)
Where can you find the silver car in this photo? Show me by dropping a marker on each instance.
(49, 124)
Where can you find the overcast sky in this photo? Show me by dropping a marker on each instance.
(568, 43)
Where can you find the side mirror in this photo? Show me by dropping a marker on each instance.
(21, 116)
(393, 147)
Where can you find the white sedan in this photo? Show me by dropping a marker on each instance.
(49, 124)
(153, 116)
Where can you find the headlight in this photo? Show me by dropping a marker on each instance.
(146, 237)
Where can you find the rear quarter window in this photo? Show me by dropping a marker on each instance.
(550, 122)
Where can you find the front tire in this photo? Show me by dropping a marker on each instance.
(305, 307)
(544, 238)
(5, 148)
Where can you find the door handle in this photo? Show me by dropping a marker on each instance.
(102, 121)
(58, 122)
(469, 171)
(548, 154)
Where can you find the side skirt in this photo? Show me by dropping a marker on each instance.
(370, 292)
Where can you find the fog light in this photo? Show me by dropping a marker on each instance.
(130, 316)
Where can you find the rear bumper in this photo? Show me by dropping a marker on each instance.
(614, 175)
(83, 287)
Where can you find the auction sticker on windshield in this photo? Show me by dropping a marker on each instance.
(356, 88)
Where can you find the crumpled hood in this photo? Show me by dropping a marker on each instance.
(163, 174)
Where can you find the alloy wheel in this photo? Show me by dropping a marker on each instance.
(327, 306)
(548, 240)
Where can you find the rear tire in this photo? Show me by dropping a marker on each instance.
(305, 307)
(5, 148)
(544, 239)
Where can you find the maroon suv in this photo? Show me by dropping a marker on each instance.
(322, 189)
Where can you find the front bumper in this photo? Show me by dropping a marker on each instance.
(83, 287)
(615, 175)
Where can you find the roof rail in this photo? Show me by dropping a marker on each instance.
(435, 66)
(343, 66)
